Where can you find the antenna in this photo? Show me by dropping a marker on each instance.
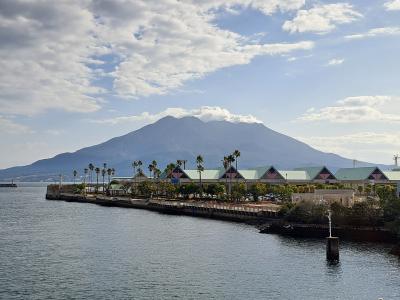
(396, 160)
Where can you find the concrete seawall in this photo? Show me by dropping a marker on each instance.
(213, 211)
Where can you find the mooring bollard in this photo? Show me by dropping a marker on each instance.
(332, 243)
(332, 248)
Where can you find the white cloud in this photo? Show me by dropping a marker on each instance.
(205, 113)
(8, 126)
(392, 5)
(358, 109)
(322, 18)
(375, 32)
(266, 7)
(45, 46)
(52, 52)
(367, 146)
(335, 62)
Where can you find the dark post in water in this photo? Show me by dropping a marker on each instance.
(332, 243)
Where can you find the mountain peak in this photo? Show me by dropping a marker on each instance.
(172, 138)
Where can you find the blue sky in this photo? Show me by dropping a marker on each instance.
(77, 73)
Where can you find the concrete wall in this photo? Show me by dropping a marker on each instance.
(344, 197)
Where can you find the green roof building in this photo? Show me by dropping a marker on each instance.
(363, 174)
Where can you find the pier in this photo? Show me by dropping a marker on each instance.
(231, 212)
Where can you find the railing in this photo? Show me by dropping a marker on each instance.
(213, 206)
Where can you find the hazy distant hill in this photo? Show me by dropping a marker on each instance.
(170, 138)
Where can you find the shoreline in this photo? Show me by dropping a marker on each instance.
(219, 212)
(266, 221)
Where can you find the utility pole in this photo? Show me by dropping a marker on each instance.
(396, 160)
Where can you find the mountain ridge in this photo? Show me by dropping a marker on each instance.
(170, 138)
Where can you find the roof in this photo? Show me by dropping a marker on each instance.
(361, 173)
(261, 170)
(294, 175)
(392, 175)
(206, 174)
(250, 174)
(313, 172)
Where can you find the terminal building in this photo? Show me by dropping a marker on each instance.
(350, 177)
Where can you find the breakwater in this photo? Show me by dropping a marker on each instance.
(360, 234)
(268, 221)
(236, 213)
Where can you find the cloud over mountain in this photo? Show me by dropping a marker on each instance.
(204, 113)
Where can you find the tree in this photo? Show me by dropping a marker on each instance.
(368, 189)
(74, 173)
(238, 191)
(215, 189)
(360, 189)
(97, 170)
(168, 189)
(103, 174)
(188, 189)
(169, 168)
(91, 168)
(257, 190)
(109, 173)
(154, 163)
(85, 171)
(146, 188)
(200, 168)
(231, 159)
(151, 168)
(236, 154)
(134, 165)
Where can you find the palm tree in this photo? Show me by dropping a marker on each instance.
(104, 166)
(134, 165)
(103, 174)
(91, 168)
(169, 168)
(154, 163)
(151, 168)
(236, 154)
(139, 170)
(230, 160)
(97, 170)
(85, 171)
(75, 173)
(109, 172)
(200, 168)
(225, 163)
(179, 162)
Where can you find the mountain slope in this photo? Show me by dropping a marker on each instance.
(170, 138)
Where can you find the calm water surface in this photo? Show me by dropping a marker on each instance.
(60, 250)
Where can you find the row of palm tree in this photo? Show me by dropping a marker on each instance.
(227, 162)
(92, 169)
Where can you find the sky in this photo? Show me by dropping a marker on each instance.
(77, 73)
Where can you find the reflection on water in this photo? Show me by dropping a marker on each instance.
(53, 249)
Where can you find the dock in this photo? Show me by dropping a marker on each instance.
(231, 212)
